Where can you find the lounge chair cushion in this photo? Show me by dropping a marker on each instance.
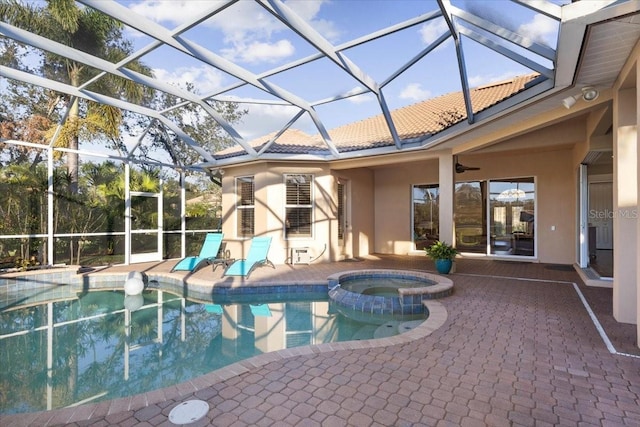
(256, 257)
(208, 253)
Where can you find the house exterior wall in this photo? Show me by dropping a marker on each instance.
(626, 245)
(393, 209)
(556, 197)
(269, 210)
(626, 195)
(360, 215)
(379, 205)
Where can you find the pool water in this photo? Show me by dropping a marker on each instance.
(102, 345)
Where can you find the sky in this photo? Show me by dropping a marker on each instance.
(250, 37)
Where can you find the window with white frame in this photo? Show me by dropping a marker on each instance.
(245, 191)
(298, 205)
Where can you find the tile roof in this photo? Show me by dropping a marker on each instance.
(414, 121)
(292, 141)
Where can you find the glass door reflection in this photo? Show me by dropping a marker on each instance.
(470, 218)
(512, 216)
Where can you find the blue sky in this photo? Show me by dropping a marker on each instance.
(252, 38)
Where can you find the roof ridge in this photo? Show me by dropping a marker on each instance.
(506, 81)
(415, 120)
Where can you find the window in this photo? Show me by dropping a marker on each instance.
(298, 208)
(245, 210)
(425, 215)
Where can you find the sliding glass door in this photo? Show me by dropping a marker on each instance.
(496, 217)
(512, 217)
(470, 216)
(426, 212)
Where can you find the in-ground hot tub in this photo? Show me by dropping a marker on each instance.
(385, 291)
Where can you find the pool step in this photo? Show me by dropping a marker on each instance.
(364, 333)
(387, 329)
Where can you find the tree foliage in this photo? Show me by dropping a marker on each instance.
(88, 197)
(89, 31)
(32, 114)
(196, 122)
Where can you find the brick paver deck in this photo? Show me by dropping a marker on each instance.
(517, 348)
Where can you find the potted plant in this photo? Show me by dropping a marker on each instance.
(443, 254)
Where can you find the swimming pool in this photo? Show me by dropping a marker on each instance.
(62, 349)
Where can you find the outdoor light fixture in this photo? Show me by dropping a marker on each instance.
(589, 93)
(569, 102)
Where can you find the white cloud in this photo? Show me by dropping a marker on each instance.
(541, 29)
(433, 29)
(206, 79)
(259, 52)
(262, 119)
(244, 22)
(359, 99)
(247, 28)
(173, 12)
(414, 91)
(308, 10)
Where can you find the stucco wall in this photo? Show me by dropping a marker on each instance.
(556, 198)
(270, 210)
(359, 237)
(393, 203)
(379, 208)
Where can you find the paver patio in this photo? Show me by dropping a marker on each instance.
(517, 348)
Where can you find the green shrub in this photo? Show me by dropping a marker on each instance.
(441, 250)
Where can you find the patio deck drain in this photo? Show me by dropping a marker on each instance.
(189, 412)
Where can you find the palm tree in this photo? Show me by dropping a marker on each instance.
(105, 187)
(92, 32)
(24, 189)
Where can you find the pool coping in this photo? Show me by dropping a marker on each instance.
(437, 317)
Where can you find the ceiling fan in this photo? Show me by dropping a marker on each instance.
(460, 168)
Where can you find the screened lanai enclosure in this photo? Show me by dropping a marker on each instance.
(118, 117)
(121, 212)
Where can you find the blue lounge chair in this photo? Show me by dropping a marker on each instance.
(256, 257)
(260, 310)
(208, 253)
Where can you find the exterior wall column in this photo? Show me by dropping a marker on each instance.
(446, 178)
(625, 206)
